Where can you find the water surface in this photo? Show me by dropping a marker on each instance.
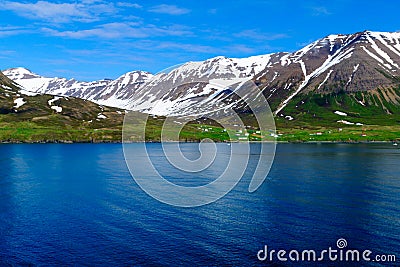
(78, 205)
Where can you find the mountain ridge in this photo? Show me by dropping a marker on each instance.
(47, 118)
(359, 62)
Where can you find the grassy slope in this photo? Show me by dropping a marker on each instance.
(78, 122)
(35, 121)
(315, 113)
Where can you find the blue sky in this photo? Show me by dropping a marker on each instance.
(95, 39)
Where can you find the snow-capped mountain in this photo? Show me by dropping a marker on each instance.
(106, 92)
(141, 91)
(192, 85)
(40, 110)
(360, 62)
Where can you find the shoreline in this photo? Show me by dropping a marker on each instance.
(65, 142)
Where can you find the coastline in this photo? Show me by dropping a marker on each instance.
(218, 142)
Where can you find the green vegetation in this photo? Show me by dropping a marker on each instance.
(344, 134)
(318, 109)
(36, 121)
(193, 131)
(374, 116)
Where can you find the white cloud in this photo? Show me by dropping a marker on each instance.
(260, 36)
(178, 48)
(109, 31)
(196, 48)
(11, 30)
(240, 48)
(7, 52)
(92, 1)
(320, 11)
(121, 30)
(169, 9)
(127, 4)
(172, 30)
(60, 12)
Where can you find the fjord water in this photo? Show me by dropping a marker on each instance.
(78, 205)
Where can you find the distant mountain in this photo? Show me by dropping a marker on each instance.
(107, 92)
(361, 69)
(36, 118)
(141, 91)
(194, 85)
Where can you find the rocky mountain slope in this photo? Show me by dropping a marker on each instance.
(107, 92)
(355, 73)
(361, 62)
(162, 94)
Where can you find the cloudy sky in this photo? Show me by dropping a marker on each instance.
(95, 39)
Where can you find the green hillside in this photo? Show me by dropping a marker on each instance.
(360, 116)
(372, 115)
(35, 119)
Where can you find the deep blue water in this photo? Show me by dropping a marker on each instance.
(78, 205)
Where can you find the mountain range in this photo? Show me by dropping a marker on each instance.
(141, 91)
(348, 79)
(25, 117)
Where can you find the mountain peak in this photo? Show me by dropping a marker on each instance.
(361, 61)
(21, 70)
(20, 73)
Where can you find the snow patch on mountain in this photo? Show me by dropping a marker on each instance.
(184, 88)
(326, 79)
(58, 109)
(19, 102)
(51, 101)
(340, 113)
(339, 56)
